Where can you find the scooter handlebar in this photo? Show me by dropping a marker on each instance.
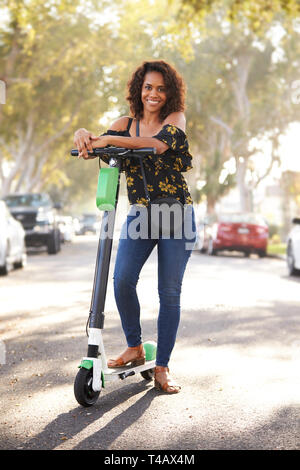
(118, 151)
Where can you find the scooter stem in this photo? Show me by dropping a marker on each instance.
(96, 319)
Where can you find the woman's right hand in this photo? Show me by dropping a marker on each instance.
(83, 141)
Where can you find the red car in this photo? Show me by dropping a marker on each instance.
(245, 232)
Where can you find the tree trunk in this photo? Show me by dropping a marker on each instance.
(210, 205)
(244, 191)
(239, 87)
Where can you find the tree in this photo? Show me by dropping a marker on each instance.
(240, 36)
(254, 76)
(52, 57)
(65, 67)
(256, 15)
(206, 102)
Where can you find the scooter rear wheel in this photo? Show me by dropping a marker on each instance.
(83, 391)
(148, 374)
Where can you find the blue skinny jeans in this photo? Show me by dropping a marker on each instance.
(173, 255)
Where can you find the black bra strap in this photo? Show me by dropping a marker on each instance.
(129, 124)
(142, 164)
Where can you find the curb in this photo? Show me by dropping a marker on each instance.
(283, 257)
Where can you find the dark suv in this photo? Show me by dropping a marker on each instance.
(89, 223)
(38, 215)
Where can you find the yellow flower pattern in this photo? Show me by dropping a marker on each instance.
(167, 187)
(163, 172)
(142, 200)
(129, 181)
(172, 129)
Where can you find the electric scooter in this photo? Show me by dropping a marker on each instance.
(93, 371)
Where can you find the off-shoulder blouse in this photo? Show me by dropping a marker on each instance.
(163, 172)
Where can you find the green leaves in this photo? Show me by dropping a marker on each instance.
(52, 61)
(257, 14)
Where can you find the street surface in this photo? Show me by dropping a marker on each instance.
(236, 357)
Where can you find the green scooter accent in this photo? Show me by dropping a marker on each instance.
(150, 350)
(88, 364)
(107, 188)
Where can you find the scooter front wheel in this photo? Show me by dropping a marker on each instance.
(83, 391)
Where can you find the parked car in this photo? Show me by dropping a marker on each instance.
(293, 248)
(38, 215)
(77, 225)
(245, 232)
(12, 241)
(202, 230)
(89, 223)
(67, 228)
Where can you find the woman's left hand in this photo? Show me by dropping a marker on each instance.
(96, 142)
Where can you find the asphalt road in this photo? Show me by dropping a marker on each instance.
(237, 358)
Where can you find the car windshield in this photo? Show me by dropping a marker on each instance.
(255, 219)
(25, 200)
(89, 218)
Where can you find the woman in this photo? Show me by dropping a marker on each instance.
(156, 97)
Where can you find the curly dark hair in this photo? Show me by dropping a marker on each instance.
(175, 88)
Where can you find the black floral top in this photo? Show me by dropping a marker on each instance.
(163, 172)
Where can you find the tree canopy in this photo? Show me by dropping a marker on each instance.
(66, 64)
(257, 15)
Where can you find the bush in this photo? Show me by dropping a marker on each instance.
(274, 230)
(275, 239)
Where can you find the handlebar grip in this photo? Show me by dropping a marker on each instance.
(95, 153)
(144, 151)
(74, 153)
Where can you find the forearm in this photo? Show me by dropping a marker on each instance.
(133, 142)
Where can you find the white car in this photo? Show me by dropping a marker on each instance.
(67, 228)
(12, 241)
(293, 248)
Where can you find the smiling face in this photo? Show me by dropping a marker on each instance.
(154, 94)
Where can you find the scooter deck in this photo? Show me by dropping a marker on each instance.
(112, 374)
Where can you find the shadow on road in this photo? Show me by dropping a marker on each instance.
(240, 326)
(279, 432)
(78, 419)
(45, 345)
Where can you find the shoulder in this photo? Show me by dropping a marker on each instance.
(120, 124)
(176, 119)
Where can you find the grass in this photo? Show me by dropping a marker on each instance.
(276, 249)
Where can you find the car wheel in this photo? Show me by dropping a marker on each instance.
(54, 243)
(8, 265)
(210, 248)
(23, 260)
(262, 253)
(291, 260)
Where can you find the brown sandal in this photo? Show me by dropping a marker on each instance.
(169, 386)
(137, 360)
